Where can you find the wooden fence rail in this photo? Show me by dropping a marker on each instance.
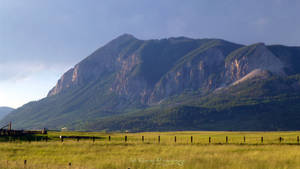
(7, 132)
(10, 136)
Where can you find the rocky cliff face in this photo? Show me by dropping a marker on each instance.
(249, 58)
(105, 60)
(143, 69)
(126, 84)
(202, 71)
(150, 71)
(131, 75)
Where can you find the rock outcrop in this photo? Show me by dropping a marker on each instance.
(129, 75)
(245, 60)
(150, 71)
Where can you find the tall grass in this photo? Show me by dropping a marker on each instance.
(117, 154)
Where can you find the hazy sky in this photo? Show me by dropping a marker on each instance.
(41, 39)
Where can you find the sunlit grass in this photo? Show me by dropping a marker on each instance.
(134, 153)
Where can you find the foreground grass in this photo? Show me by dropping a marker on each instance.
(117, 154)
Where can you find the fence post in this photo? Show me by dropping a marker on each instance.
(175, 139)
(280, 139)
(62, 138)
(262, 139)
(70, 164)
(109, 138)
(125, 138)
(209, 140)
(25, 162)
(298, 139)
(93, 139)
(226, 139)
(142, 138)
(158, 139)
(192, 139)
(244, 139)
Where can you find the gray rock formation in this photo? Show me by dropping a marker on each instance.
(128, 75)
(144, 71)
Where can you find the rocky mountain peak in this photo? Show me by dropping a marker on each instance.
(125, 37)
(130, 76)
(151, 70)
(102, 61)
(244, 60)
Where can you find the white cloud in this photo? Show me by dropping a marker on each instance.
(20, 71)
(17, 71)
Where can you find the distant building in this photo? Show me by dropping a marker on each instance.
(64, 129)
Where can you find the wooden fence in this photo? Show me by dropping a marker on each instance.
(193, 139)
(8, 132)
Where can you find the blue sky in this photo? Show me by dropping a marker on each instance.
(40, 40)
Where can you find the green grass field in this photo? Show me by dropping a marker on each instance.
(166, 154)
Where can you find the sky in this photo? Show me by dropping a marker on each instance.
(40, 40)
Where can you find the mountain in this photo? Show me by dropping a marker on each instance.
(4, 111)
(173, 84)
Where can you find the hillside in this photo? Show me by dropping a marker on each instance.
(4, 111)
(173, 84)
(255, 105)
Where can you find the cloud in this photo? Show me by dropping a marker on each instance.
(17, 71)
(20, 71)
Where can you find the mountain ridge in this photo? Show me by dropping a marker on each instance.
(4, 111)
(129, 76)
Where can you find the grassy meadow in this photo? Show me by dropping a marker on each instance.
(165, 154)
